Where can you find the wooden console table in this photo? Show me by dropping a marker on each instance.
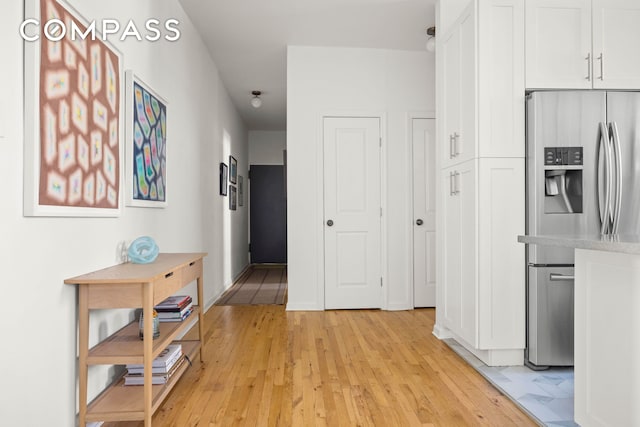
(133, 286)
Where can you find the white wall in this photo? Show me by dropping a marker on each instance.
(320, 81)
(38, 357)
(266, 147)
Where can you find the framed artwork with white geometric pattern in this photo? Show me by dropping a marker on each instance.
(73, 118)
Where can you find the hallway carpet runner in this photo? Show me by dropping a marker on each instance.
(259, 284)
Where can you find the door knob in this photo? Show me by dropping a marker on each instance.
(419, 222)
(330, 223)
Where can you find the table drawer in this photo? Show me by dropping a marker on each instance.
(192, 271)
(168, 285)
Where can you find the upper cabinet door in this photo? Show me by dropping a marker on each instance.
(558, 44)
(451, 98)
(464, 143)
(616, 44)
(501, 79)
(459, 47)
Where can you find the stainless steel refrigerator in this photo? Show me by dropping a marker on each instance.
(583, 177)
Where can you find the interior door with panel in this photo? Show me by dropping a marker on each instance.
(424, 209)
(352, 213)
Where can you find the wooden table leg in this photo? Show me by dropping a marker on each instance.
(147, 310)
(201, 315)
(83, 351)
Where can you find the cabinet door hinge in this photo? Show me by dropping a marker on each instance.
(380, 142)
(380, 212)
(381, 282)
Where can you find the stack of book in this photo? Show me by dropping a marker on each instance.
(175, 308)
(162, 368)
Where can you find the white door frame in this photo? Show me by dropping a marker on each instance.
(320, 198)
(410, 117)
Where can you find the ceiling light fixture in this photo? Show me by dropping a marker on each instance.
(431, 41)
(256, 101)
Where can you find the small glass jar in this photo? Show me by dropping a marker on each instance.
(156, 325)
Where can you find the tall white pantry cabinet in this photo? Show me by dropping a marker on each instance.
(480, 126)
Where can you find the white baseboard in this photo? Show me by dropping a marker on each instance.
(303, 307)
(441, 332)
(494, 357)
(398, 307)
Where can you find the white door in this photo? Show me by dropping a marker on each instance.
(352, 213)
(424, 213)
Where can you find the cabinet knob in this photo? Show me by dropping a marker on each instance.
(330, 223)
(419, 222)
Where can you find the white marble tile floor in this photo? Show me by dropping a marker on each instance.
(547, 396)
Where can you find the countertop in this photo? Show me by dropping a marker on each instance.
(625, 243)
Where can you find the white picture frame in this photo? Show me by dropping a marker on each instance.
(76, 183)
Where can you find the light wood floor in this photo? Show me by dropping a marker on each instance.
(269, 367)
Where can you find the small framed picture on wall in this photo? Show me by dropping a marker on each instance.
(223, 179)
(233, 173)
(233, 200)
(240, 191)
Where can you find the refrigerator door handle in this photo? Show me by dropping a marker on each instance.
(618, 176)
(605, 213)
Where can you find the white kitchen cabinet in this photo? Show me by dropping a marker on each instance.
(459, 270)
(483, 213)
(558, 44)
(500, 104)
(460, 91)
(484, 82)
(501, 259)
(481, 270)
(616, 42)
(582, 44)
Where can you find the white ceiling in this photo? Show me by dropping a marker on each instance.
(248, 38)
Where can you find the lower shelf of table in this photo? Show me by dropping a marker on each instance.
(126, 403)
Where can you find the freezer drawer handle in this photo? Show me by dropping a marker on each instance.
(559, 277)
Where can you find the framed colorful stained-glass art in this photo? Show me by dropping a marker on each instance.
(146, 144)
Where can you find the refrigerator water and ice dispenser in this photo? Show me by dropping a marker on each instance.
(563, 180)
